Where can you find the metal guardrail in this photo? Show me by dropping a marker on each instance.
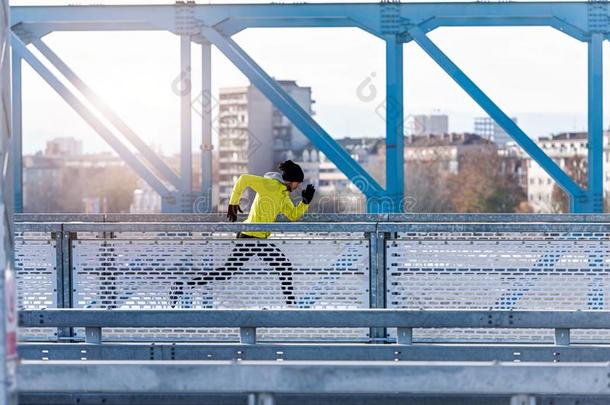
(483, 266)
(128, 351)
(456, 261)
(312, 227)
(220, 217)
(463, 370)
(249, 320)
(317, 318)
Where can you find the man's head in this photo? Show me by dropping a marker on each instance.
(292, 174)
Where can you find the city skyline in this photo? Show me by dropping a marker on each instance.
(155, 146)
(433, 163)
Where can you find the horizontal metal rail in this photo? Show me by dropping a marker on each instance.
(47, 227)
(493, 227)
(249, 320)
(302, 352)
(220, 217)
(312, 227)
(297, 399)
(315, 318)
(315, 377)
(197, 227)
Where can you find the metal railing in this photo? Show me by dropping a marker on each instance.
(394, 261)
(405, 307)
(330, 369)
(249, 320)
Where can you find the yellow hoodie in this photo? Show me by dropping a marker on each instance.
(272, 198)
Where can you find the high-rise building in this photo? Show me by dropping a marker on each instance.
(488, 129)
(433, 124)
(253, 135)
(233, 138)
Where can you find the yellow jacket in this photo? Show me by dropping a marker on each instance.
(272, 198)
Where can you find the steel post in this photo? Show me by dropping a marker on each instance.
(17, 131)
(8, 301)
(186, 164)
(595, 193)
(394, 124)
(207, 105)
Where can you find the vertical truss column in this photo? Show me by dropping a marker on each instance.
(394, 124)
(8, 302)
(186, 165)
(206, 126)
(595, 192)
(17, 132)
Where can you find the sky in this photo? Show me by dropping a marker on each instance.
(538, 75)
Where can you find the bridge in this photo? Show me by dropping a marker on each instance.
(425, 308)
(380, 307)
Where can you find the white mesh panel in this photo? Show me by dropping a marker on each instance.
(146, 274)
(36, 278)
(500, 271)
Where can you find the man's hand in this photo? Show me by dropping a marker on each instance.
(308, 193)
(232, 212)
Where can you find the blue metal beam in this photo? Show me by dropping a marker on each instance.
(394, 123)
(496, 113)
(106, 17)
(232, 26)
(486, 21)
(17, 131)
(206, 127)
(568, 17)
(41, 29)
(301, 119)
(571, 17)
(107, 112)
(87, 116)
(595, 200)
(233, 16)
(186, 126)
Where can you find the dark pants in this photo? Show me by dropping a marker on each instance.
(108, 296)
(241, 253)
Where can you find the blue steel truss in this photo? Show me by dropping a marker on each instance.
(394, 22)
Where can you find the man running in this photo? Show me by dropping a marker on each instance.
(272, 198)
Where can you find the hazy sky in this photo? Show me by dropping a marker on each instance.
(536, 74)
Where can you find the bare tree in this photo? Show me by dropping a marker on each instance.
(576, 168)
(482, 186)
(427, 184)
